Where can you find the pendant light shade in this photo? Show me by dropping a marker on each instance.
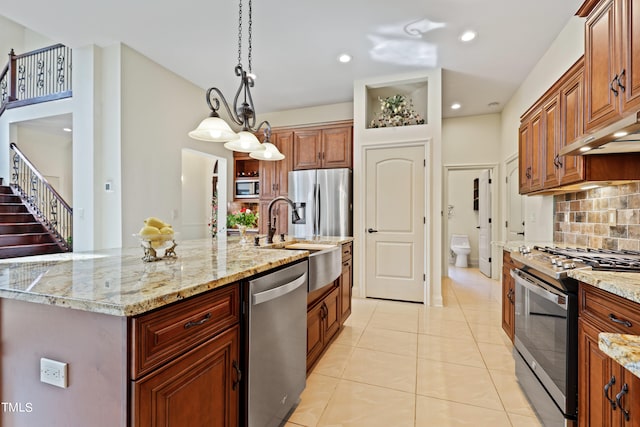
(246, 143)
(270, 153)
(213, 129)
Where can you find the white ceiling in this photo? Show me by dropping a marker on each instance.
(296, 43)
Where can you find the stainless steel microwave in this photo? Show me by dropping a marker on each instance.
(247, 188)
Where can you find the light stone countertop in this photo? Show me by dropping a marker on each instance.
(118, 282)
(624, 349)
(625, 285)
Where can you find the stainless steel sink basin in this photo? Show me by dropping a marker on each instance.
(325, 263)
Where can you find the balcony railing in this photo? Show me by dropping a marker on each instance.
(42, 200)
(37, 76)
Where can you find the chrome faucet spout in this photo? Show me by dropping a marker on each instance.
(271, 229)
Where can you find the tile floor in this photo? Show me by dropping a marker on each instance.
(400, 364)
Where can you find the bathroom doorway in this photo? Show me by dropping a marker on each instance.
(462, 213)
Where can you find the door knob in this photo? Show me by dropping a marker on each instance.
(371, 230)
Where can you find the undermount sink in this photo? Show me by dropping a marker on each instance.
(325, 262)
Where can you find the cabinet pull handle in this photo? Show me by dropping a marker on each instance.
(607, 387)
(510, 296)
(559, 161)
(620, 85)
(614, 319)
(615, 80)
(205, 319)
(319, 156)
(625, 390)
(238, 375)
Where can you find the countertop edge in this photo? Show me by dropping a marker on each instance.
(625, 285)
(623, 348)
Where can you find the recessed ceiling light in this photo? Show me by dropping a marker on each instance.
(585, 149)
(620, 134)
(66, 129)
(344, 58)
(455, 106)
(467, 36)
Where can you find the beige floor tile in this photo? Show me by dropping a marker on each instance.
(334, 360)
(483, 316)
(314, 400)
(443, 413)
(382, 369)
(361, 311)
(397, 342)
(493, 334)
(452, 312)
(396, 307)
(358, 405)
(497, 357)
(349, 335)
(510, 393)
(458, 383)
(522, 421)
(405, 322)
(445, 328)
(452, 350)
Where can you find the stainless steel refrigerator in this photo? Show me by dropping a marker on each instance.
(323, 201)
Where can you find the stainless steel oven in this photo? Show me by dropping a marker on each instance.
(546, 344)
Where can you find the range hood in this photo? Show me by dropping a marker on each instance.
(620, 137)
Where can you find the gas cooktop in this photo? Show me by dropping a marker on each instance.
(597, 259)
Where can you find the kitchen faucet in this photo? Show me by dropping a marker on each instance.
(295, 218)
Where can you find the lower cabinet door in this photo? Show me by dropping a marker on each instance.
(332, 310)
(345, 289)
(315, 333)
(200, 388)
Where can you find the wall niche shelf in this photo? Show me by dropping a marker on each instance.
(415, 91)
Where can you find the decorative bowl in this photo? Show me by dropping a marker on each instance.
(155, 242)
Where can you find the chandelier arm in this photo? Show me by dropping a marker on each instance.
(267, 130)
(216, 103)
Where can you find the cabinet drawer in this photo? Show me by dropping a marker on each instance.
(162, 335)
(347, 251)
(613, 313)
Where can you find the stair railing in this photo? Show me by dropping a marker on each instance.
(42, 199)
(37, 76)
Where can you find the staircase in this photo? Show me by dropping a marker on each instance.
(20, 233)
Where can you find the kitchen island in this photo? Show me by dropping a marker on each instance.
(125, 328)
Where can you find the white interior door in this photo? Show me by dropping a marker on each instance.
(515, 201)
(484, 216)
(395, 221)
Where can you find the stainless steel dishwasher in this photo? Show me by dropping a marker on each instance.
(277, 344)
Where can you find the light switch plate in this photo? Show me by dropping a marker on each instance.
(612, 217)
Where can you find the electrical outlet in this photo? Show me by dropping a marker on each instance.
(613, 217)
(54, 372)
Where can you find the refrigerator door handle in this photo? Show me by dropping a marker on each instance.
(318, 210)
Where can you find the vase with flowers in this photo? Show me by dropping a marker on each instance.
(242, 219)
(396, 110)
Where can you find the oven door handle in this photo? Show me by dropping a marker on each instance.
(539, 287)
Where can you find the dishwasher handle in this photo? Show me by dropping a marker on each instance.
(281, 290)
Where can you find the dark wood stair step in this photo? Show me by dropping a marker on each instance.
(16, 218)
(13, 208)
(25, 239)
(5, 189)
(28, 250)
(25, 227)
(10, 198)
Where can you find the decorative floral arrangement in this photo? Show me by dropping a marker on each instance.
(242, 217)
(396, 110)
(213, 221)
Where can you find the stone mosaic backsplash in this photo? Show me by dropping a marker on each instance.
(582, 218)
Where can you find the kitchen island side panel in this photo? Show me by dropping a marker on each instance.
(93, 345)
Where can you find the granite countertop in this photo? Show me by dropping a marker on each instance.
(625, 285)
(624, 349)
(118, 282)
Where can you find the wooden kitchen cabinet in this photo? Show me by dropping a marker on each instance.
(571, 168)
(274, 182)
(530, 152)
(597, 309)
(508, 295)
(323, 320)
(346, 281)
(612, 61)
(323, 148)
(185, 365)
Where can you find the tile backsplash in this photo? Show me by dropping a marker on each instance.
(582, 218)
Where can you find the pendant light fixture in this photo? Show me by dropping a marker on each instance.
(214, 129)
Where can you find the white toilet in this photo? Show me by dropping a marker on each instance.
(460, 246)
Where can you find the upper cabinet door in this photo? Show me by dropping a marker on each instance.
(601, 69)
(337, 147)
(552, 162)
(571, 102)
(307, 149)
(630, 55)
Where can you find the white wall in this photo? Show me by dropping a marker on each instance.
(303, 116)
(51, 154)
(20, 39)
(471, 140)
(564, 52)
